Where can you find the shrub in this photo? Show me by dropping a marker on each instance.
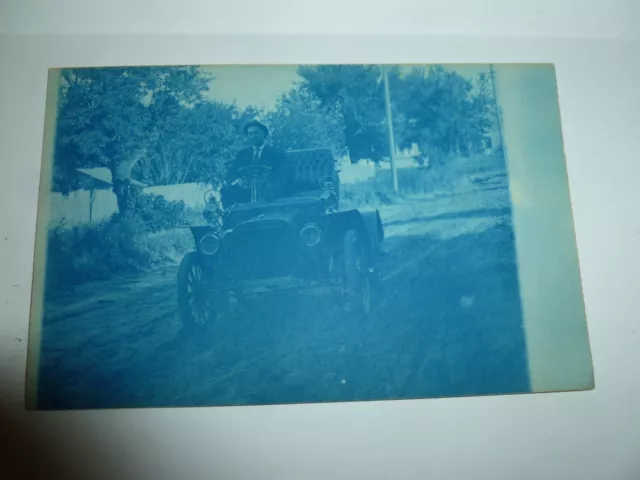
(158, 214)
(168, 245)
(153, 235)
(456, 175)
(373, 192)
(113, 247)
(94, 252)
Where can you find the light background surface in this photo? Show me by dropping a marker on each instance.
(582, 435)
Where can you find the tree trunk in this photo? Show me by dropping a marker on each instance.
(123, 186)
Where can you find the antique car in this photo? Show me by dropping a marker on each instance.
(298, 242)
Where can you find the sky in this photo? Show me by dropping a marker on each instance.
(261, 85)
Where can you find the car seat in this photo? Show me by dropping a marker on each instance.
(307, 168)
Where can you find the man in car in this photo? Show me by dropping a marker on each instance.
(237, 188)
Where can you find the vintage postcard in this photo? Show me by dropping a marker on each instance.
(256, 234)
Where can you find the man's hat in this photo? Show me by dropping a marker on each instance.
(256, 123)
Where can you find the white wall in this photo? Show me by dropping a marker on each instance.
(78, 209)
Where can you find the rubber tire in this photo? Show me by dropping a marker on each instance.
(187, 265)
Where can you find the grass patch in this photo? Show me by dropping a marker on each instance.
(455, 175)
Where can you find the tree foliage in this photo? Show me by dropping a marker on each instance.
(192, 144)
(153, 123)
(300, 121)
(355, 93)
(108, 116)
(442, 112)
(156, 123)
(439, 110)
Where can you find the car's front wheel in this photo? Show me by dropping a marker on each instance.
(196, 295)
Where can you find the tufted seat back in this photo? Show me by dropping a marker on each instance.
(307, 167)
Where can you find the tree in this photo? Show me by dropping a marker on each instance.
(191, 144)
(439, 110)
(300, 121)
(442, 112)
(356, 94)
(109, 116)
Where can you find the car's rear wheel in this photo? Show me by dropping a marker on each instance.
(358, 282)
(196, 295)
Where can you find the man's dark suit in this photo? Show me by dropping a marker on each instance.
(277, 185)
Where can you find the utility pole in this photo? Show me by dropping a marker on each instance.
(392, 143)
(496, 105)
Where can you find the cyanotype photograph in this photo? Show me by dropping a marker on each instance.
(234, 235)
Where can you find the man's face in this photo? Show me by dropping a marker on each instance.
(256, 136)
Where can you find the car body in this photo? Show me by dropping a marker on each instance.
(300, 241)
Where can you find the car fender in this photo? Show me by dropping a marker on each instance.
(198, 232)
(367, 224)
(374, 228)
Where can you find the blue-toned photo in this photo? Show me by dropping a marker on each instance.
(258, 235)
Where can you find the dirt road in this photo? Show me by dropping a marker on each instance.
(449, 323)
